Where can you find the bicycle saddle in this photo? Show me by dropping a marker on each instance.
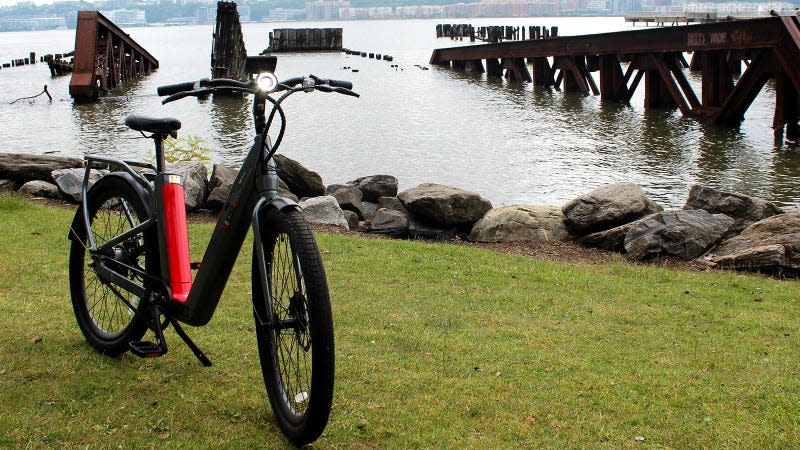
(166, 125)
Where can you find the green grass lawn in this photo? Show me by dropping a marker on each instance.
(438, 346)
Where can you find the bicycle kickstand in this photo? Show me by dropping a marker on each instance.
(144, 349)
(192, 346)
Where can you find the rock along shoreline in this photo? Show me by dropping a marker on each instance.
(721, 229)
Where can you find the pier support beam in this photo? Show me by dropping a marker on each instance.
(494, 68)
(611, 78)
(542, 72)
(573, 73)
(475, 66)
(734, 105)
(717, 78)
(516, 70)
(786, 109)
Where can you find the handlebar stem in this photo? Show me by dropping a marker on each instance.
(259, 111)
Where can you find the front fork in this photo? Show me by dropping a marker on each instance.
(267, 185)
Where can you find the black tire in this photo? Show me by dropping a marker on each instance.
(107, 319)
(297, 357)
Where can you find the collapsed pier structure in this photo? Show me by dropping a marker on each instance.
(105, 57)
(769, 48)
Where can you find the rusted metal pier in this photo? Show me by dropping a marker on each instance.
(105, 57)
(768, 47)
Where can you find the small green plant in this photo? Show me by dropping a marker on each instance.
(185, 148)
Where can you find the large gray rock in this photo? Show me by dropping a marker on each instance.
(195, 182)
(39, 188)
(376, 186)
(22, 167)
(332, 188)
(349, 199)
(368, 210)
(390, 222)
(607, 207)
(742, 208)
(221, 175)
(324, 210)
(352, 219)
(612, 239)
(443, 206)
(769, 245)
(391, 203)
(70, 181)
(219, 186)
(217, 197)
(521, 223)
(685, 234)
(301, 181)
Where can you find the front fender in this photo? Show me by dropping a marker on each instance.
(281, 203)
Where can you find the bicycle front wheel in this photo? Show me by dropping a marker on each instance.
(106, 314)
(294, 327)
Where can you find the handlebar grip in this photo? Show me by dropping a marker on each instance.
(340, 83)
(171, 89)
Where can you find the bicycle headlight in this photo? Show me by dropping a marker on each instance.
(267, 81)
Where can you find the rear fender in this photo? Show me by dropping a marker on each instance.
(77, 229)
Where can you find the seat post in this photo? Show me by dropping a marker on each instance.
(158, 138)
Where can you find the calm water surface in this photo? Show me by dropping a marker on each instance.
(512, 143)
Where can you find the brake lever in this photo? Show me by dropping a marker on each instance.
(345, 91)
(338, 90)
(180, 95)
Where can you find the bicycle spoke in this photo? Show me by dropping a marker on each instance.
(289, 308)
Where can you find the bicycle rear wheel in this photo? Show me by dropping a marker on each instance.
(106, 314)
(294, 327)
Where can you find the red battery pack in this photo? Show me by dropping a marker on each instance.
(180, 274)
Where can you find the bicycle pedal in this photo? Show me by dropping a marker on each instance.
(144, 349)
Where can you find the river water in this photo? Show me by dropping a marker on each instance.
(512, 143)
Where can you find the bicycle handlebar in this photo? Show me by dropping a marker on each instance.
(172, 89)
(205, 86)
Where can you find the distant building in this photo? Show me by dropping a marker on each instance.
(31, 24)
(324, 9)
(283, 14)
(739, 9)
(505, 8)
(244, 13)
(123, 17)
(380, 12)
(419, 11)
(206, 14)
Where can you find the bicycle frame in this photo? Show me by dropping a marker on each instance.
(255, 189)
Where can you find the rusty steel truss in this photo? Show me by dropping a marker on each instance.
(105, 57)
(769, 48)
